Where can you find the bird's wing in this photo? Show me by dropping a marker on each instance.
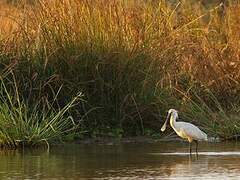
(192, 131)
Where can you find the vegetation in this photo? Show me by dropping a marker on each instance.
(133, 60)
(21, 124)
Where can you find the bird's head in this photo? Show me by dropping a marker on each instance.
(170, 112)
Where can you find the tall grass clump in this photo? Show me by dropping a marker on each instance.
(209, 114)
(130, 58)
(22, 124)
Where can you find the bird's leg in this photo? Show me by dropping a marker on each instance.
(196, 146)
(190, 148)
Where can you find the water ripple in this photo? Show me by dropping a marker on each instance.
(227, 153)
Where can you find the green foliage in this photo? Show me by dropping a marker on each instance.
(21, 124)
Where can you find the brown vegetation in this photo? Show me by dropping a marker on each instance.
(132, 59)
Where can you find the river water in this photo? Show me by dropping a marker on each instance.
(161, 160)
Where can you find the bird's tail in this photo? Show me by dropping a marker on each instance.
(205, 137)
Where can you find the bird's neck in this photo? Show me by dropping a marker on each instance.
(173, 120)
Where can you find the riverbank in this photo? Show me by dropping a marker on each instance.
(137, 140)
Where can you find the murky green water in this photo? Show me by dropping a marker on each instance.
(125, 161)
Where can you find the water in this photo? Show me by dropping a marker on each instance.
(165, 160)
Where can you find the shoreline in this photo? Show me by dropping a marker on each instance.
(133, 140)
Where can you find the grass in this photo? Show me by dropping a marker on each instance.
(132, 59)
(211, 116)
(40, 123)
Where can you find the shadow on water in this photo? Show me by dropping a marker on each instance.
(130, 161)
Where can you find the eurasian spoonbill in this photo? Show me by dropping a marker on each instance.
(184, 129)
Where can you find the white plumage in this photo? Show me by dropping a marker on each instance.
(185, 130)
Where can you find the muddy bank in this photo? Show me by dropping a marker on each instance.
(139, 139)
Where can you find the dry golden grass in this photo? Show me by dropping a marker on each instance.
(8, 19)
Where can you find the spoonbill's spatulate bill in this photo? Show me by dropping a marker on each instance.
(185, 130)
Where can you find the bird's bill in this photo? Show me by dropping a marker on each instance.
(165, 124)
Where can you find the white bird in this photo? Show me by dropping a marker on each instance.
(184, 129)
